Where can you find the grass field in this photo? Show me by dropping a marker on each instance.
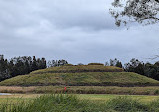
(152, 90)
(90, 88)
(78, 103)
(92, 97)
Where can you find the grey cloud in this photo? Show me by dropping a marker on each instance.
(75, 30)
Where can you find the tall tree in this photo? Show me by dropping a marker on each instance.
(135, 66)
(115, 62)
(34, 64)
(140, 11)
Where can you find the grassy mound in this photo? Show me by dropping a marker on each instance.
(152, 90)
(81, 79)
(67, 103)
(82, 75)
(78, 69)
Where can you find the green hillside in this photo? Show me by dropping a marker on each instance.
(73, 76)
(79, 68)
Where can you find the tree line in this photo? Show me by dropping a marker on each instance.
(24, 65)
(147, 69)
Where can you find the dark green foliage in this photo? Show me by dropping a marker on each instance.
(19, 66)
(135, 66)
(146, 69)
(4, 68)
(115, 62)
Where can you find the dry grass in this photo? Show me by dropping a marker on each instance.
(82, 90)
(16, 89)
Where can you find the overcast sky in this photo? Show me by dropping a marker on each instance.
(80, 31)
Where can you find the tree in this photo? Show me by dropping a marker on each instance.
(62, 62)
(34, 64)
(55, 63)
(106, 64)
(119, 64)
(140, 11)
(135, 66)
(115, 62)
(3, 68)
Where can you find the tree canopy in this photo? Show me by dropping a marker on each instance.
(141, 11)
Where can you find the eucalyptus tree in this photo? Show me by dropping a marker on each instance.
(141, 11)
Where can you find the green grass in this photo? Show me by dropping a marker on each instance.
(79, 68)
(151, 90)
(69, 103)
(106, 97)
(81, 79)
(102, 98)
(81, 75)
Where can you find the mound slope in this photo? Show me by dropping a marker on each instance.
(78, 69)
(81, 76)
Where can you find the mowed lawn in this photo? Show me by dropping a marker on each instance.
(14, 98)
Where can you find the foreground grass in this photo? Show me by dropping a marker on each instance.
(152, 90)
(69, 103)
(13, 98)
